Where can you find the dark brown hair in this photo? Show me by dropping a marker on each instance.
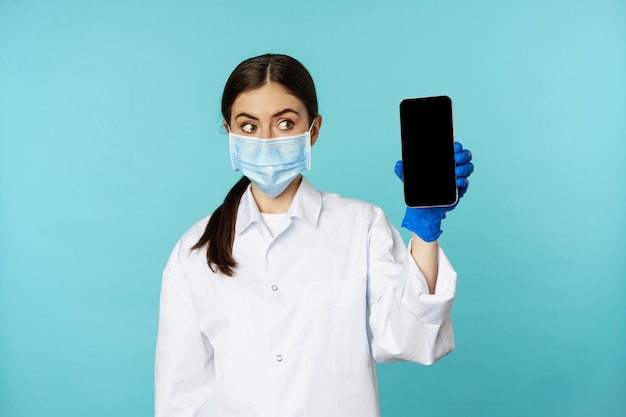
(251, 74)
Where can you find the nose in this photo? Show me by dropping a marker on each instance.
(265, 133)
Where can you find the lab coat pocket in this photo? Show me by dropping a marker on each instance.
(342, 318)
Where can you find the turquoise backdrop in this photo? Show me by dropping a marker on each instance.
(111, 147)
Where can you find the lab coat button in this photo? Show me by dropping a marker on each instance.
(279, 358)
(274, 287)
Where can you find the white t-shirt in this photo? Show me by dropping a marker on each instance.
(274, 221)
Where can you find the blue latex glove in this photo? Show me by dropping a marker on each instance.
(426, 222)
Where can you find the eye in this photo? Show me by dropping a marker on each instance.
(285, 124)
(248, 127)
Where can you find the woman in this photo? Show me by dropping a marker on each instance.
(279, 302)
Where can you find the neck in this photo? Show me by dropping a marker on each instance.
(278, 204)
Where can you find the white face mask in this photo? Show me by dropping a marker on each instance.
(271, 164)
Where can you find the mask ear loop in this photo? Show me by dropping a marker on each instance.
(231, 147)
(308, 145)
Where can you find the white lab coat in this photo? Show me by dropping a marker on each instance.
(296, 331)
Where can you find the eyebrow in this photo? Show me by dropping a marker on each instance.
(278, 114)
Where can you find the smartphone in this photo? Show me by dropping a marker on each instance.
(428, 152)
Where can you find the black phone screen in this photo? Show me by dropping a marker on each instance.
(428, 152)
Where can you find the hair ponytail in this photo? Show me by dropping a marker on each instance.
(219, 234)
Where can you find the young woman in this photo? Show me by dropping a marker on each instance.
(279, 303)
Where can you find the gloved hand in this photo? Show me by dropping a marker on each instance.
(426, 222)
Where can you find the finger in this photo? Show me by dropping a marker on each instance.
(398, 169)
(464, 170)
(458, 147)
(462, 157)
(462, 184)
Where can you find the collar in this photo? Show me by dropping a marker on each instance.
(306, 206)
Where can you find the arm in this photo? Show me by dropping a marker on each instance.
(184, 359)
(410, 316)
(406, 321)
(425, 255)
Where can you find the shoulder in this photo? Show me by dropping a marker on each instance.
(193, 234)
(358, 219)
(182, 250)
(336, 203)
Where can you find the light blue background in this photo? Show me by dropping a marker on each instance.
(111, 147)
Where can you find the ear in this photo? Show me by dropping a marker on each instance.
(225, 125)
(315, 129)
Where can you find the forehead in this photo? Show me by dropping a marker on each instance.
(266, 100)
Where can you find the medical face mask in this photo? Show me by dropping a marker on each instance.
(271, 164)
